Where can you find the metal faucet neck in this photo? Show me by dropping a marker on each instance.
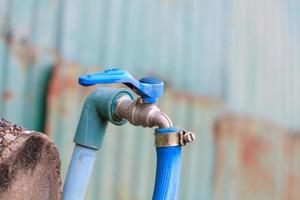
(140, 113)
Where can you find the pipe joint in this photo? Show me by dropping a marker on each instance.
(98, 109)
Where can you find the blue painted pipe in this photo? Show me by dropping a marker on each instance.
(167, 170)
(79, 173)
(97, 111)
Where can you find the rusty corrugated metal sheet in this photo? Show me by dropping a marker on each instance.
(263, 59)
(239, 51)
(255, 160)
(244, 53)
(25, 61)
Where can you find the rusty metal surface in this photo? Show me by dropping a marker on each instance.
(25, 62)
(215, 56)
(255, 160)
(234, 50)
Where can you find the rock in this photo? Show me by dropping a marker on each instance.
(29, 165)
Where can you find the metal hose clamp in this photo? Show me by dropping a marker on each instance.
(180, 138)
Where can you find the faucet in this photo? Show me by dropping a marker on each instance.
(119, 106)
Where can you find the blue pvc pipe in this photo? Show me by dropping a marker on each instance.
(167, 171)
(98, 110)
(80, 170)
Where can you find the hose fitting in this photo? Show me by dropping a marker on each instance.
(139, 113)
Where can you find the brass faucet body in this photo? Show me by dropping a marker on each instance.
(142, 114)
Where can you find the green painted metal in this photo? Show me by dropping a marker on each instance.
(224, 44)
(26, 60)
(243, 53)
(248, 166)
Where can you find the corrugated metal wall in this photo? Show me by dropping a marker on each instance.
(255, 160)
(216, 56)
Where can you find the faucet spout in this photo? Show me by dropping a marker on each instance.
(161, 120)
(142, 114)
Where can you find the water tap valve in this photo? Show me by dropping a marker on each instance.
(149, 88)
(118, 106)
(142, 111)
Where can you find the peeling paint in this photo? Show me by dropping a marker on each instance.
(252, 161)
(7, 95)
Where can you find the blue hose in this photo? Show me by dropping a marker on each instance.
(167, 171)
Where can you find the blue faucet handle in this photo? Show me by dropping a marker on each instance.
(148, 88)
